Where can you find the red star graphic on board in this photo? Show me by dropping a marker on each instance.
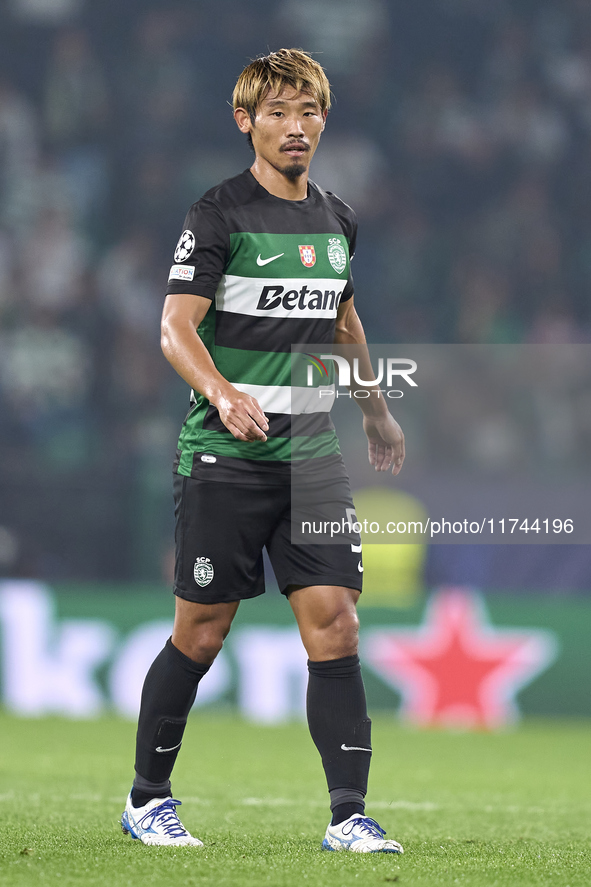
(457, 669)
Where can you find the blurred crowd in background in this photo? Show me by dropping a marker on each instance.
(460, 134)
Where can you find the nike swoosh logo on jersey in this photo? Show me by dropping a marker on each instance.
(174, 748)
(354, 748)
(262, 262)
(360, 567)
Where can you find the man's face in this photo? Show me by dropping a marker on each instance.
(286, 130)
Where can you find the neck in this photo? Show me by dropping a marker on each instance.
(279, 185)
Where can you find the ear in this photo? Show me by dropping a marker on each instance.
(243, 120)
(324, 116)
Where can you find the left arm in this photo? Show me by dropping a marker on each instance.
(384, 434)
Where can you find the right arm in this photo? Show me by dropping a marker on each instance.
(186, 353)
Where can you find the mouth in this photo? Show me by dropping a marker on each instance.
(295, 150)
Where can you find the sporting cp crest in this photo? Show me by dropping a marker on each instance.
(337, 255)
(203, 571)
(308, 256)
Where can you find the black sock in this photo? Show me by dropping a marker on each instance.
(344, 811)
(167, 697)
(341, 730)
(143, 790)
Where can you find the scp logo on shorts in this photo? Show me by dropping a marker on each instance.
(203, 571)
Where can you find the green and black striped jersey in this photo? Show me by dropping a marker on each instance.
(276, 271)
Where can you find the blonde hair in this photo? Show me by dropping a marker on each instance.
(273, 72)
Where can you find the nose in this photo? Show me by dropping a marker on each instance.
(294, 127)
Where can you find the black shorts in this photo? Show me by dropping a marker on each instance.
(222, 528)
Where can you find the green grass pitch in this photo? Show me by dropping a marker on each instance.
(470, 809)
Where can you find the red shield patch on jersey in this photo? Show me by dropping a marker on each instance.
(308, 256)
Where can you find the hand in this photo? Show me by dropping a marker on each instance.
(386, 442)
(242, 415)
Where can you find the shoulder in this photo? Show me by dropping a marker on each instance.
(342, 210)
(229, 193)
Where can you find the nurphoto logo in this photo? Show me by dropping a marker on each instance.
(391, 370)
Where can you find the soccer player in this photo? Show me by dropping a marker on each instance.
(263, 263)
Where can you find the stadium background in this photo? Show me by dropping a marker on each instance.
(460, 133)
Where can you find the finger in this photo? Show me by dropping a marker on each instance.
(388, 458)
(254, 432)
(247, 417)
(380, 457)
(261, 423)
(248, 436)
(398, 461)
(250, 427)
(245, 428)
(237, 432)
(255, 412)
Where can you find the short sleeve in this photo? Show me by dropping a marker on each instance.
(201, 253)
(349, 287)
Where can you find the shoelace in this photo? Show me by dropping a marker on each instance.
(366, 824)
(165, 816)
